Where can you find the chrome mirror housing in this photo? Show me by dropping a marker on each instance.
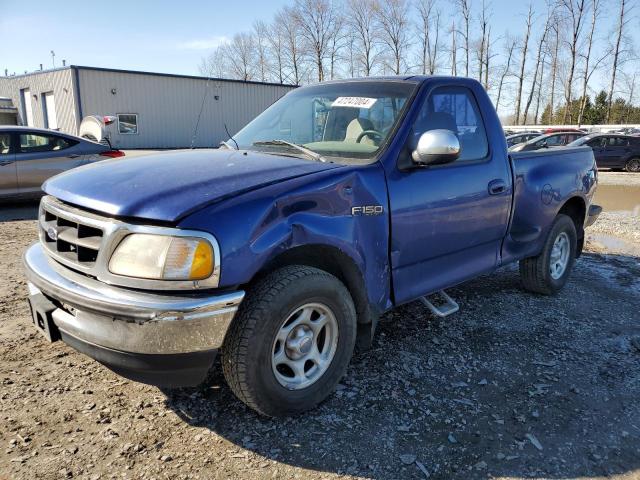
(436, 147)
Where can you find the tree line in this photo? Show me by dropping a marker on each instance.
(565, 53)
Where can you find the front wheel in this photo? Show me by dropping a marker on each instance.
(548, 272)
(291, 342)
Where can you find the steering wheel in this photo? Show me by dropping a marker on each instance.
(369, 133)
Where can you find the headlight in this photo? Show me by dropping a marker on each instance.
(162, 257)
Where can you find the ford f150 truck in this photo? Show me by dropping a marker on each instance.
(281, 249)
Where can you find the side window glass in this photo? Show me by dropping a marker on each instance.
(554, 140)
(34, 143)
(5, 143)
(455, 109)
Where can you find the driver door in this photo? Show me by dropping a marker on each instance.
(448, 221)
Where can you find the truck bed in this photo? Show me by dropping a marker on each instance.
(543, 181)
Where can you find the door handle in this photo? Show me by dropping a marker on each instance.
(73, 155)
(496, 187)
(6, 162)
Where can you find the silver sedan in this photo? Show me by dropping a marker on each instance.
(29, 156)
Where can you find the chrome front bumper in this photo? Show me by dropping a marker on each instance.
(129, 321)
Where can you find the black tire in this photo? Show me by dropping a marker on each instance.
(535, 271)
(633, 165)
(248, 348)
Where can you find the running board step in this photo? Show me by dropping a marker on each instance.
(450, 306)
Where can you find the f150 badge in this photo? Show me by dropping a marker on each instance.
(367, 210)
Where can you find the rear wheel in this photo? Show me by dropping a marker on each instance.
(633, 165)
(548, 272)
(291, 341)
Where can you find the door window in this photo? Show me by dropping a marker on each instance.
(5, 143)
(34, 143)
(455, 109)
(618, 142)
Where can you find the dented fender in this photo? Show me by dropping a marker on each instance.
(345, 208)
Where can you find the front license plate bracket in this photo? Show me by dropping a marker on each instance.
(41, 314)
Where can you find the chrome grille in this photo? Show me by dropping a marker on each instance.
(74, 241)
(70, 235)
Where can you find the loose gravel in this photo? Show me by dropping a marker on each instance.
(514, 385)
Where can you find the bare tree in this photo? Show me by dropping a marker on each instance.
(393, 18)
(554, 52)
(240, 56)
(214, 65)
(586, 74)
(454, 50)
(337, 42)
(483, 44)
(364, 27)
(465, 11)
(425, 29)
(574, 11)
(488, 56)
(276, 40)
(292, 51)
(539, 95)
(261, 35)
(510, 46)
(536, 70)
(433, 44)
(523, 62)
(317, 20)
(622, 22)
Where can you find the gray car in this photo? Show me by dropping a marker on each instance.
(29, 156)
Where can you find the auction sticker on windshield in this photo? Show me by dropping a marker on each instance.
(355, 102)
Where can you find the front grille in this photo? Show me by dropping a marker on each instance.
(68, 236)
(71, 240)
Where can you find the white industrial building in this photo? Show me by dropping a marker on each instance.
(153, 110)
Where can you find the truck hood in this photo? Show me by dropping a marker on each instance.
(168, 186)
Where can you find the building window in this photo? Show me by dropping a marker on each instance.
(128, 123)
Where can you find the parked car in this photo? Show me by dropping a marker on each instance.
(560, 130)
(548, 140)
(613, 151)
(29, 156)
(280, 255)
(522, 137)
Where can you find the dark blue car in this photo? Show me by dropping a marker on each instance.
(281, 249)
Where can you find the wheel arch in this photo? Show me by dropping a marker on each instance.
(576, 209)
(339, 264)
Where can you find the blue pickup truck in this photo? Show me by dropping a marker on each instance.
(281, 249)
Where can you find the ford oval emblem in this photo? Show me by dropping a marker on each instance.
(53, 233)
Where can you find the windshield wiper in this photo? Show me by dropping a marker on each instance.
(226, 144)
(300, 148)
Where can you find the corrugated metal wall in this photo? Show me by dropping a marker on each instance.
(168, 107)
(60, 82)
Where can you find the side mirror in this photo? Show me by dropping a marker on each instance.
(436, 147)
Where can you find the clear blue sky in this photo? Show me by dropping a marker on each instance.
(163, 36)
(172, 36)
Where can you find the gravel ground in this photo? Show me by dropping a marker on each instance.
(514, 385)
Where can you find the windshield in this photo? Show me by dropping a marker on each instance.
(347, 122)
(580, 141)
